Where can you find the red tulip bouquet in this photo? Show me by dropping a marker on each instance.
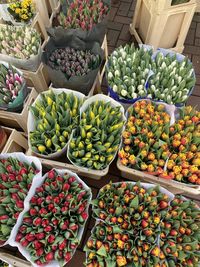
(53, 225)
(16, 177)
(82, 14)
(84, 19)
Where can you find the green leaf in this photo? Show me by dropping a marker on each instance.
(118, 211)
(135, 202)
(5, 229)
(102, 251)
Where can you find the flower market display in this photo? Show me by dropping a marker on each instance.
(73, 62)
(58, 212)
(82, 14)
(11, 84)
(142, 225)
(96, 141)
(54, 115)
(58, 121)
(138, 73)
(22, 11)
(153, 145)
(19, 42)
(16, 179)
(127, 71)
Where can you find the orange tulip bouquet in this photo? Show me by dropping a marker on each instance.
(155, 143)
(146, 137)
(143, 225)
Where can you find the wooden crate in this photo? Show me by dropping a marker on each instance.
(48, 10)
(16, 141)
(173, 186)
(8, 257)
(39, 79)
(198, 7)
(38, 24)
(167, 29)
(160, 6)
(18, 120)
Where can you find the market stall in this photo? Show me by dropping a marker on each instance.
(119, 169)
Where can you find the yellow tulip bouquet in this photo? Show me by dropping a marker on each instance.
(22, 11)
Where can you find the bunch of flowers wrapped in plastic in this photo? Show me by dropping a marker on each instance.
(146, 137)
(82, 14)
(22, 11)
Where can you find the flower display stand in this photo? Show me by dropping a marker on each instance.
(39, 79)
(18, 120)
(48, 10)
(15, 143)
(160, 24)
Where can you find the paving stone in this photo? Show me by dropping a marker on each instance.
(123, 9)
(194, 101)
(196, 63)
(197, 42)
(193, 25)
(198, 79)
(122, 19)
(112, 37)
(113, 12)
(190, 37)
(130, 14)
(125, 34)
(192, 49)
(115, 25)
(196, 91)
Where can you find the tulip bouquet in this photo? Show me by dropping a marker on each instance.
(146, 137)
(16, 179)
(82, 14)
(127, 71)
(184, 161)
(22, 11)
(11, 83)
(19, 42)
(174, 242)
(95, 142)
(138, 73)
(55, 115)
(108, 246)
(52, 227)
(73, 62)
(180, 233)
(132, 208)
(172, 80)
